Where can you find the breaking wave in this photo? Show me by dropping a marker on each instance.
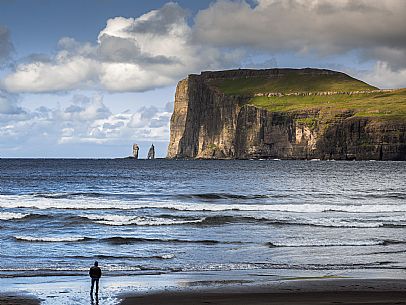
(131, 240)
(120, 257)
(51, 239)
(380, 221)
(112, 204)
(352, 243)
(217, 196)
(116, 240)
(11, 216)
(121, 220)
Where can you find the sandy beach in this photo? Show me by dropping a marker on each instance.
(178, 291)
(335, 291)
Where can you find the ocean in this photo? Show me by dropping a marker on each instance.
(159, 217)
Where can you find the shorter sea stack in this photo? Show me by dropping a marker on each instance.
(286, 114)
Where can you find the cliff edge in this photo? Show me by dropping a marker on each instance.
(286, 114)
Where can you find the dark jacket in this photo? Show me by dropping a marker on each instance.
(95, 272)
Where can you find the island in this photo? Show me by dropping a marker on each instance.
(286, 114)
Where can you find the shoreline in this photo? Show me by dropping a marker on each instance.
(195, 289)
(300, 292)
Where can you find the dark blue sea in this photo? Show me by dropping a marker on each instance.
(159, 217)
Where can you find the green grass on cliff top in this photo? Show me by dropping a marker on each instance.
(388, 105)
(290, 82)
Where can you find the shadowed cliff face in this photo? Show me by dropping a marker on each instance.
(206, 123)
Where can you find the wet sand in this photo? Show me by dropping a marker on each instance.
(10, 299)
(309, 292)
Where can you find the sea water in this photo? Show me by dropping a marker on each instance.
(160, 217)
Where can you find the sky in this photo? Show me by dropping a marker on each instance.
(88, 78)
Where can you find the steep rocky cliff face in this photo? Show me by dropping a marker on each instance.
(204, 121)
(207, 123)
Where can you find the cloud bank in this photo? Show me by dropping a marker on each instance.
(160, 47)
(131, 54)
(84, 120)
(375, 28)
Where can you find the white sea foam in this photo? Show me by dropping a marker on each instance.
(10, 216)
(50, 239)
(120, 220)
(331, 221)
(167, 256)
(27, 201)
(341, 223)
(103, 203)
(328, 243)
(300, 208)
(71, 269)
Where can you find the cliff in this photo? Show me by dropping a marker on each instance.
(286, 114)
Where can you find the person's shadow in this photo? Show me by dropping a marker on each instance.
(94, 300)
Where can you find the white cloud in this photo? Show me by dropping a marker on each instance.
(25, 128)
(84, 120)
(132, 77)
(375, 28)
(131, 54)
(153, 50)
(161, 47)
(119, 128)
(85, 109)
(383, 76)
(64, 73)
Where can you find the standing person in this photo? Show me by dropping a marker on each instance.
(95, 274)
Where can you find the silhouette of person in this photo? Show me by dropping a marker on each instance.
(95, 274)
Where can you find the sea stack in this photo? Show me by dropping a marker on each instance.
(151, 152)
(135, 151)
